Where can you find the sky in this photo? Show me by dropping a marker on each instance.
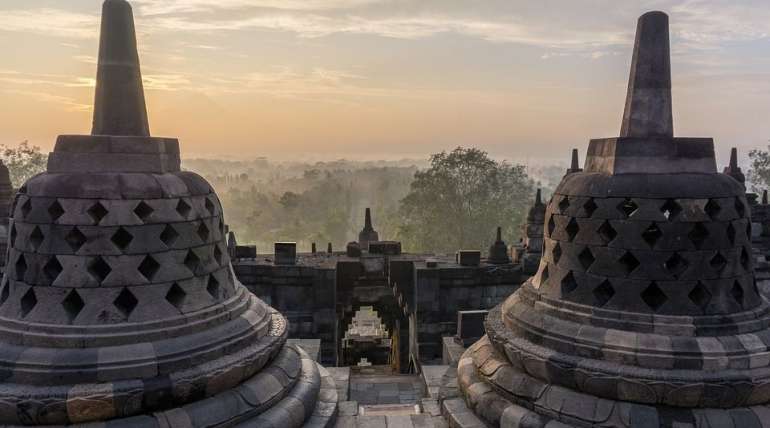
(304, 79)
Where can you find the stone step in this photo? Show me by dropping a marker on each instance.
(425, 415)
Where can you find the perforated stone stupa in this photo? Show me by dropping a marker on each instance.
(119, 305)
(6, 199)
(644, 311)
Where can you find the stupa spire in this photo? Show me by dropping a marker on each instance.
(733, 170)
(575, 161)
(648, 111)
(119, 106)
(368, 220)
(367, 234)
(575, 164)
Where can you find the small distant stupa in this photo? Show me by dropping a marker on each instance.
(498, 251)
(368, 234)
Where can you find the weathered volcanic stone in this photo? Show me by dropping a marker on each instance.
(645, 310)
(119, 76)
(648, 110)
(575, 163)
(119, 306)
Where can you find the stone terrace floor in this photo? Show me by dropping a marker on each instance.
(377, 385)
(380, 399)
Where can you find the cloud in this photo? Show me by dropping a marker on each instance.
(706, 24)
(50, 22)
(16, 78)
(166, 7)
(69, 104)
(316, 26)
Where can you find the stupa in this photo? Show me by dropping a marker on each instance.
(367, 234)
(498, 251)
(644, 311)
(6, 200)
(119, 306)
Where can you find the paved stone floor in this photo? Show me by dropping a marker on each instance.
(382, 399)
(376, 385)
(426, 414)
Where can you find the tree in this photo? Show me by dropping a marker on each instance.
(461, 199)
(23, 162)
(759, 171)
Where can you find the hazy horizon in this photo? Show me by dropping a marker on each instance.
(387, 79)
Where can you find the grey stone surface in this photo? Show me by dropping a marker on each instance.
(311, 346)
(648, 111)
(119, 108)
(470, 326)
(432, 378)
(469, 257)
(285, 253)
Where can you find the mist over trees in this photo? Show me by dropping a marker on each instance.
(449, 201)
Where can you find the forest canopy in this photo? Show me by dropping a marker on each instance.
(450, 201)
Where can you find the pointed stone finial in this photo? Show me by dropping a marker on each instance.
(313, 248)
(764, 197)
(119, 107)
(734, 158)
(329, 248)
(733, 170)
(539, 197)
(499, 233)
(368, 220)
(575, 164)
(648, 111)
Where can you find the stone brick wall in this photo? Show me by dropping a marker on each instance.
(304, 294)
